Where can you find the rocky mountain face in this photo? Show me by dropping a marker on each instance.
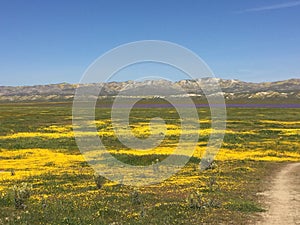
(232, 89)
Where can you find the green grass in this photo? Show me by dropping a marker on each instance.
(68, 194)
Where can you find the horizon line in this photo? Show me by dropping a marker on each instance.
(30, 85)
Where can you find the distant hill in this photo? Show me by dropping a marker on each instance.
(232, 89)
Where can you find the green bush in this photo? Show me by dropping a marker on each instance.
(22, 192)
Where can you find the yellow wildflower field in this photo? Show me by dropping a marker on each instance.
(37, 146)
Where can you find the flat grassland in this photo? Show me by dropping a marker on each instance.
(37, 147)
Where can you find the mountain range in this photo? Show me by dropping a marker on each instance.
(232, 89)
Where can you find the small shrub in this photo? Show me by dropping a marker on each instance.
(135, 198)
(213, 165)
(195, 200)
(208, 165)
(212, 184)
(99, 180)
(21, 193)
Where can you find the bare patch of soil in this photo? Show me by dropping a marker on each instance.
(283, 198)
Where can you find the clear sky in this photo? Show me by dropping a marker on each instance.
(55, 41)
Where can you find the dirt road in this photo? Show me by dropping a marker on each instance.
(283, 198)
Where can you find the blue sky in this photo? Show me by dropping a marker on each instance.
(55, 41)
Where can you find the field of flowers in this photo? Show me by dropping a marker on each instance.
(44, 179)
